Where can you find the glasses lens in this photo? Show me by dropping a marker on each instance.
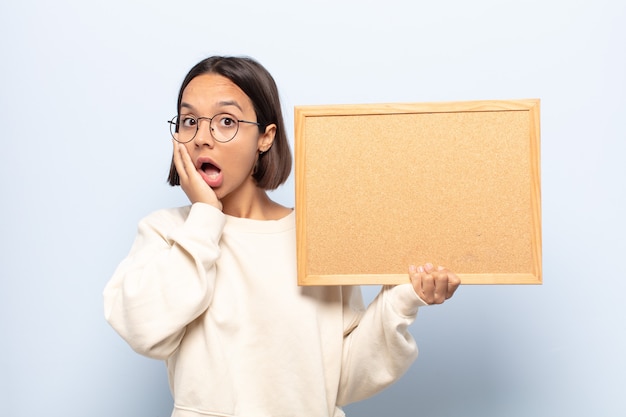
(183, 128)
(224, 127)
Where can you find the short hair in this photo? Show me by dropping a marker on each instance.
(274, 166)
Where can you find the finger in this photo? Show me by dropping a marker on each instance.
(188, 165)
(190, 173)
(440, 292)
(453, 283)
(416, 274)
(178, 162)
(428, 285)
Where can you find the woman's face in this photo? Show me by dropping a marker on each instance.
(226, 167)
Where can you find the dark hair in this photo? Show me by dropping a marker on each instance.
(274, 166)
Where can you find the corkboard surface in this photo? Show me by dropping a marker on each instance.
(381, 187)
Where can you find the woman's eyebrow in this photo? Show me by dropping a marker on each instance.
(224, 103)
(187, 105)
(229, 103)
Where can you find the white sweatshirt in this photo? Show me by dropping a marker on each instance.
(217, 298)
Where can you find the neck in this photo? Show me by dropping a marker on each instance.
(255, 205)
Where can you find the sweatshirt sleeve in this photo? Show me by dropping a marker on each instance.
(378, 348)
(166, 281)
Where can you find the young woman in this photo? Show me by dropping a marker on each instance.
(211, 287)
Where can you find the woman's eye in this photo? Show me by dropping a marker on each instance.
(227, 121)
(188, 121)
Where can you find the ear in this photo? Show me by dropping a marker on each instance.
(266, 140)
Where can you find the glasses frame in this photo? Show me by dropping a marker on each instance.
(174, 122)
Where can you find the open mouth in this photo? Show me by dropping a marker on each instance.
(210, 170)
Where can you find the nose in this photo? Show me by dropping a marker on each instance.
(204, 135)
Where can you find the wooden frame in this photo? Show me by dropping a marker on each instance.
(383, 186)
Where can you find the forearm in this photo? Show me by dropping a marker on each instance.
(380, 349)
(166, 281)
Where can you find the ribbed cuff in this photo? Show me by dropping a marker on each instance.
(405, 300)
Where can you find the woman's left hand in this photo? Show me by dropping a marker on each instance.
(433, 286)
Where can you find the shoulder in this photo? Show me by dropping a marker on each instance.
(168, 216)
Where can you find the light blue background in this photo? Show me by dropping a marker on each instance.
(86, 88)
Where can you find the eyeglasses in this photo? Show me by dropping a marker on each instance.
(223, 127)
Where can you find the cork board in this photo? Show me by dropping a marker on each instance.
(383, 186)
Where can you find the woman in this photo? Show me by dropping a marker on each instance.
(211, 287)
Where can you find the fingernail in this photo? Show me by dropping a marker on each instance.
(412, 269)
(421, 269)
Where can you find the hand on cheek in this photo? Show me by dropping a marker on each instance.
(191, 182)
(434, 286)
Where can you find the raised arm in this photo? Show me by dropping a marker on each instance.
(167, 280)
(378, 348)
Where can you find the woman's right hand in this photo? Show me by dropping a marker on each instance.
(191, 182)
